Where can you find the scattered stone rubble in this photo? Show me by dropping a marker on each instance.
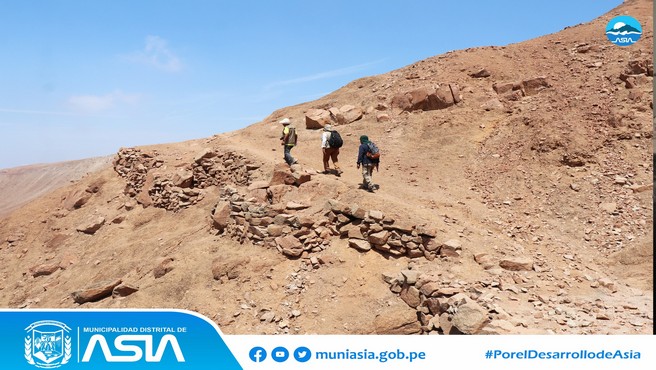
(637, 73)
(445, 305)
(276, 226)
(285, 227)
(150, 184)
(371, 229)
(424, 98)
(518, 89)
(133, 165)
(216, 168)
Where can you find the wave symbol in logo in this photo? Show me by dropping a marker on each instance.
(48, 344)
(623, 30)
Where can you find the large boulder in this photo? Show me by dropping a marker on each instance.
(275, 193)
(282, 175)
(441, 99)
(455, 91)
(290, 246)
(91, 226)
(397, 320)
(517, 264)
(348, 114)
(221, 216)
(44, 269)
(451, 248)
(76, 199)
(163, 267)
(410, 295)
(534, 85)
(183, 179)
(124, 290)
(206, 153)
(317, 119)
(143, 197)
(360, 245)
(402, 101)
(516, 90)
(301, 177)
(470, 318)
(426, 98)
(379, 238)
(100, 291)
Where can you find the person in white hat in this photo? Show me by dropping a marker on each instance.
(288, 140)
(330, 152)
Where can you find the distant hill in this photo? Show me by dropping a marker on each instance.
(19, 185)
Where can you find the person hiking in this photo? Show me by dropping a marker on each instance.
(288, 140)
(367, 158)
(331, 141)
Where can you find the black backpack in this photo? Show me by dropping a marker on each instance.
(335, 140)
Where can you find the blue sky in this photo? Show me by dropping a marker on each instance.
(83, 78)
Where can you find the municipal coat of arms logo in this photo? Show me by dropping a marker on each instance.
(48, 344)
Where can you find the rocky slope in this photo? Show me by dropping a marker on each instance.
(515, 197)
(21, 184)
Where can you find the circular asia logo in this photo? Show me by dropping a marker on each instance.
(623, 30)
(48, 344)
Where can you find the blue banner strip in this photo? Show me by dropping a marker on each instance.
(111, 339)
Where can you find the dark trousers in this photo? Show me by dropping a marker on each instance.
(288, 155)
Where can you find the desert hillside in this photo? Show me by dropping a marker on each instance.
(19, 185)
(516, 196)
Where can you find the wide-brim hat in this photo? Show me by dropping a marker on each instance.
(285, 121)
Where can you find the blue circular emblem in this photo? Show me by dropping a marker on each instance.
(623, 30)
(257, 354)
(280, 354)
(302, 354)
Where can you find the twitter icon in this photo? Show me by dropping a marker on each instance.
(302, 354)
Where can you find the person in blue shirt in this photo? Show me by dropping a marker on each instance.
(367, 164)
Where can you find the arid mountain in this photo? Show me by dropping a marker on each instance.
(515, 197)
(19, 185)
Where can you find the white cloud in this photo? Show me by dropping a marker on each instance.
(156, 53)
(324, 75)
(98, 103)
(37, 112)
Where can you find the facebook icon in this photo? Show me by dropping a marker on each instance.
(257, 354)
